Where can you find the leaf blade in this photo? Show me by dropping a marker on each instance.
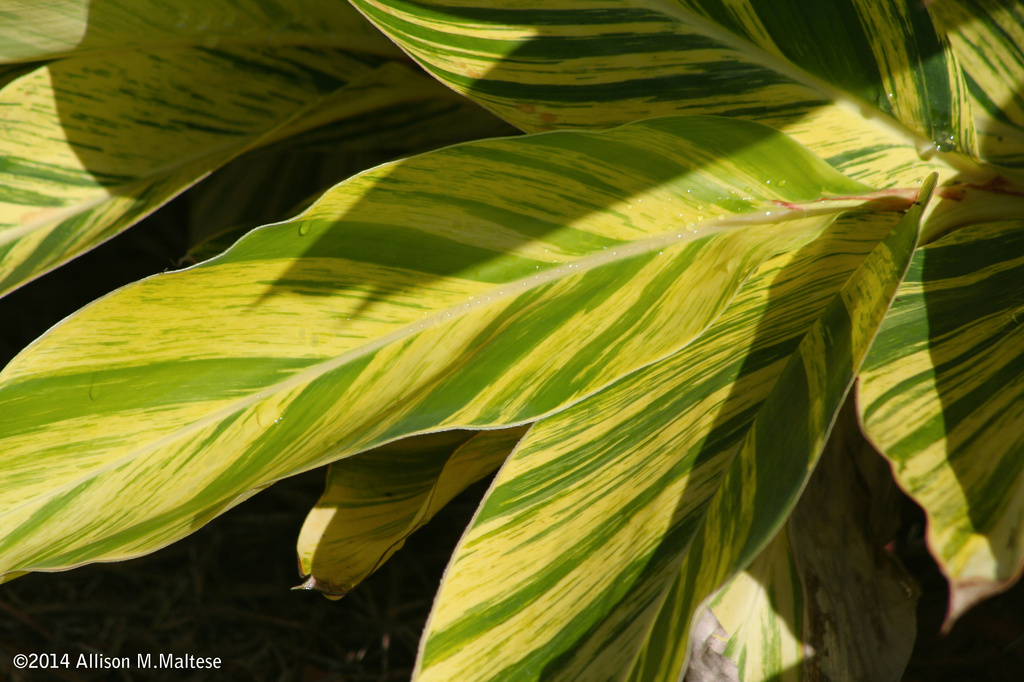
(100, 138)
(469, 287)
(989, 42)
(33, 31)
(937, 394)
(882, 71)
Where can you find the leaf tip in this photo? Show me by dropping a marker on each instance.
(325, 588)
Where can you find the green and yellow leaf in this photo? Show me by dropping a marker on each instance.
(988, 38)
(685, 469)
(869, 85)
(545, 268)
(96, 140)
(377, 499)
(36, 31)
(941, 395)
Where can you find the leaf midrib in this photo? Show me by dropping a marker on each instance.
(840, 98)
(504, 292)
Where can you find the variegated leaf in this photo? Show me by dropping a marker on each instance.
(543, 269)
(36, 31)
(377, 499)
(869, 85)
(988, 38)
(942, 396)
(696, 460)
(94, 141)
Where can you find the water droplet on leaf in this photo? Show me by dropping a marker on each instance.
(946, 144)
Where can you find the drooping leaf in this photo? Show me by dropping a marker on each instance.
(941, 395)
(98, 139)
(545, 268)
(377, 499)
(706, 565)
(869, 85)
(696, 460)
